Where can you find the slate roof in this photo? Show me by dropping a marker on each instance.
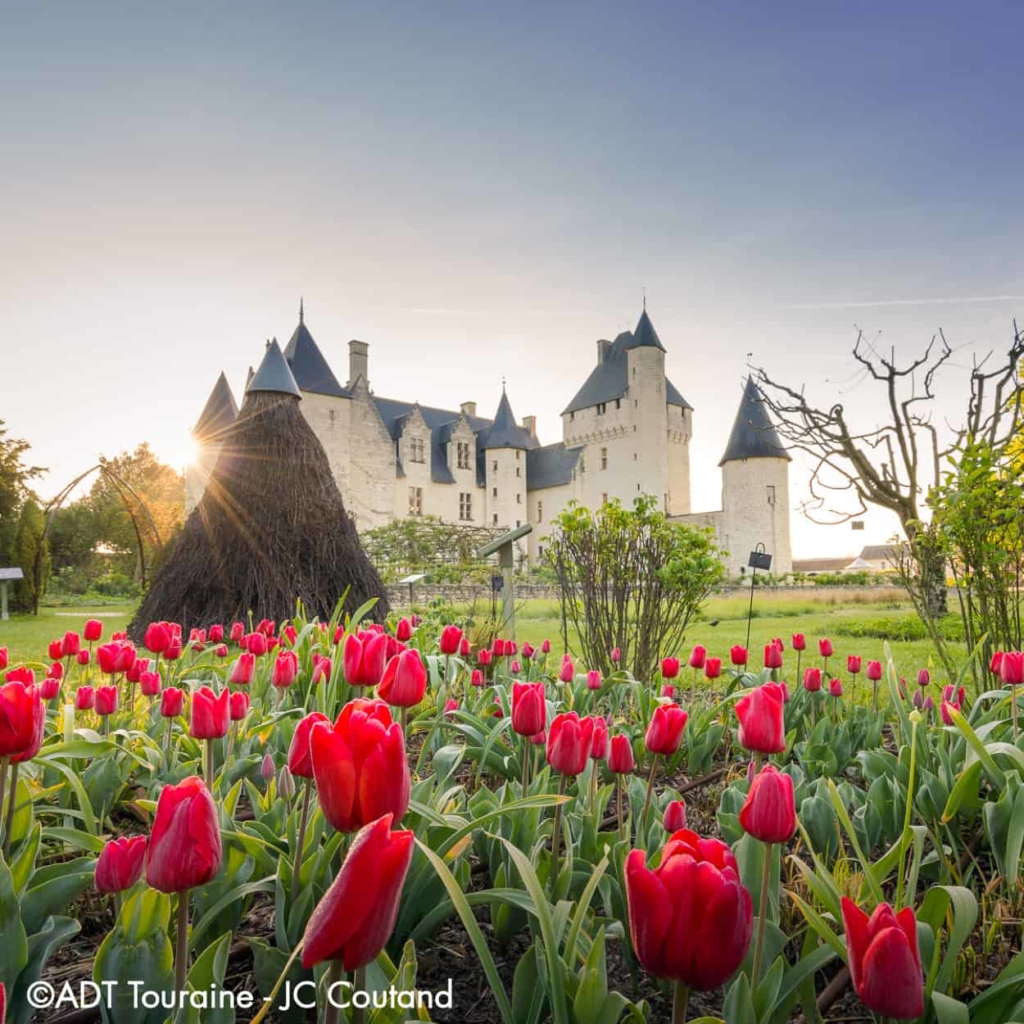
(218, 413)
(505, 432)
(308, 365)
(274, 374)
(550, 466)
(609, 379)
(879, 553)
(753, 433)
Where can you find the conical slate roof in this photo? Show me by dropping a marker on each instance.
(645, 336)
(753, 433)
(218, 413)
(274, 374)
(308, 365)
(504, 432)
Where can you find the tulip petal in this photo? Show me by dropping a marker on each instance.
(891, 981)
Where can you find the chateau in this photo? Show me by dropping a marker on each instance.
(625, 432)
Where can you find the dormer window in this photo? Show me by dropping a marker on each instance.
(462, 455)
(417, 450)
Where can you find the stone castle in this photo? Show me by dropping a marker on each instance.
(625, 432)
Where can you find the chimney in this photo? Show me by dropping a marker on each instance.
(358, 362)
(468, 408)
(602, 350)
(530, 425)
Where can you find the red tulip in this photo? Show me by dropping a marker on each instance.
(874, 672)
(55, 671)
(599, 742)
(286, 669)
(363, 660)
(405, 680)
(669, 691)
(498, 647)
(483, 657)
(322, 669)
(924, 677)
(451, 705)
(85, 698)
(3, 1003)
(954, 693)
(885, 965)
(82, 657)
(769, 812)
(158, 637)
(134, 674)
(1011, 668)
(738, 655)
(359, 765)
(355, 918)
(106, 700)
(665, 731)
(835, 688)
(545, 646)
(568, 672)
(476, 677)
(713, 668)
(216, 633)
(289, 633)
(620, 755)
(853, 663)
(594, 680)
(120, 863)
(694, 896)
(698, 656)
(760, 713)
(996, 662)
(529, 709)
(772, 656)
(210, 714)
(464, 648)
(945, 708)
(55, 650)
(4, 662)
(529, 651)
(237, 632)
(49, 688)
(93, 630)
(799, 642)
(238, 706)
(22, 674)
(243, 669)
(516, 667)
(670, 668)
(149, 684)
(184, 845)
(71, 644)
(256, 644)
(812, 680)
(569, 742)
(451, 637)
(616, 655)
(825, 647)
(172, 700)
(674, 817)
(299, 759)
(403, 631)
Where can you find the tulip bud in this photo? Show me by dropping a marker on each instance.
(924, 677)
(599, 742)
(451, 637)
(149, 684)
(616, 655)
(405, 680)
(464, 647)
(286, 669)
(665, 730)
(545, 647)
(668, 691)
(184, 844)
(853, 664)
(874, 671)
(403, 631)
(569, 742)
(71, 644)
(799, 642)
(1011, 668)
(760, 714)
(698, 656)
(738, 655)
(593, 680)
(769, 812)
(364, 658)
(670, 667)
(49, 689)
(483, 657)
(835, 688)
(713, 668)
(210, 714)
(812, 680)
(85, 698)
(120, 863)
(476, 677)
(568, 672)
(529, 708)
(674, 817)
(772, 656)
(825, 647)
(106, 700)
(268, 769)
(238, 706)
(93, 630)
(620, 755)
(285, 783)
(945, 708)
(172, 700)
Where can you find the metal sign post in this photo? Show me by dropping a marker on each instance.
(504, 548)
(759, 559)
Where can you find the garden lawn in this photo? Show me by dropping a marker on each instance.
(26, 636)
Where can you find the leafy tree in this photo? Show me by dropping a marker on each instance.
(27, 544)
(630, 579)
(15, 492)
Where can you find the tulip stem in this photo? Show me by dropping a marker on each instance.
(208, 765)
(9, 820)
(331, 979)
(874, 696)
(593, 787)
(359, 985)
(556, 834)
(526, 764)
(3, 783)
(650, 789)
(300, 840)
(618, 807)
(181, 945)
(1013, 710)
(680, 1002)
(762, 916)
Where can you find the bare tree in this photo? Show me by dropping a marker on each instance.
(896, 464)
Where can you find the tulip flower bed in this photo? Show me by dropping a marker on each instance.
(373, 823)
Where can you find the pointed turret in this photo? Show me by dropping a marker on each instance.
(307, 362)
(274, 374)
(219, 412)
(753, 433)
(504, 431)
(645, 336)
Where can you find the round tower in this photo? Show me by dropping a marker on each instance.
(505, 446)
(755, 488)
(648, 410)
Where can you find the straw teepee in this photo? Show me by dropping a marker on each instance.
(271, 526)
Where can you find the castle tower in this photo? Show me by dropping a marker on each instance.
(755, 488)
(646, 383)
(218, 414)
(505, 446)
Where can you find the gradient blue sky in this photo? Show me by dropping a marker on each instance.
(482, 190)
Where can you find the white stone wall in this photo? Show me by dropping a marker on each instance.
(372, 472)
(544, 506)
(680, 429)
(506, 504)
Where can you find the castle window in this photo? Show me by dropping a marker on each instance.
(519, 498)
(462, 454)
(604, 458)
(465, 505)
(519, 454)
(494, 492)
(416, 450)
(540, 511)
(771, 494)
(494, 465)
(618, 403)
(495, 519)
(634, 456)
(330, 416)
(415, 501)
(518, 523)
(519, 470)
(583, 465)
(572, 417)
(601, 408)
(604, 498)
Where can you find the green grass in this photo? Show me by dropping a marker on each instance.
(26, 636)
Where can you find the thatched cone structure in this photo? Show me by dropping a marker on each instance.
(271, 526)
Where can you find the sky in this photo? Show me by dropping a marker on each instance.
(481, 191)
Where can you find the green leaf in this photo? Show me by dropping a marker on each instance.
(949, 1011)
(41, 947)
(932, 912)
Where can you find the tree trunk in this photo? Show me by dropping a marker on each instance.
(932, 566)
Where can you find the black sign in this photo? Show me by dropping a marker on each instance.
(497, 583)
(760, 560)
